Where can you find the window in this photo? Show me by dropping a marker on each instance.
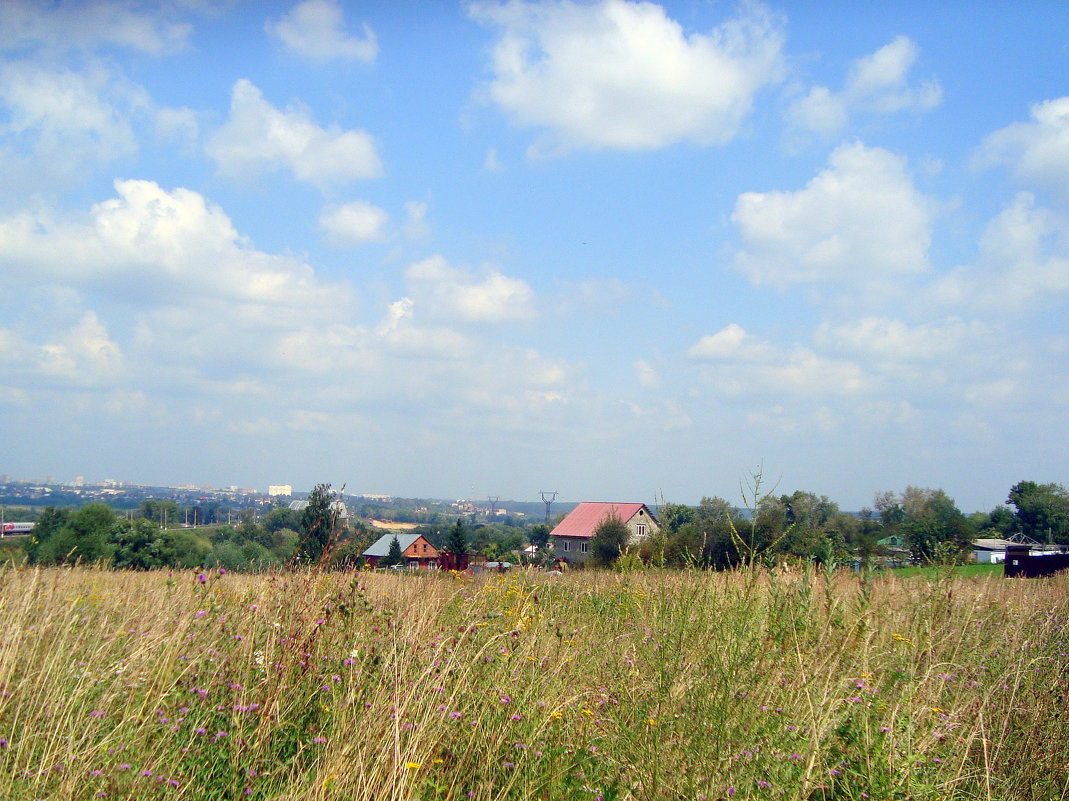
(640, 530)
(565, 545)
(583, 547)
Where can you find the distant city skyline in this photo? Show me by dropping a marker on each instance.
(622, 250)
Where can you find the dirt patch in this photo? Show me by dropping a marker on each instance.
(392, 525)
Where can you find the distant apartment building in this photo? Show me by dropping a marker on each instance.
(280, 489)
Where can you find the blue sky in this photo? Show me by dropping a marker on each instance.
(620, 250)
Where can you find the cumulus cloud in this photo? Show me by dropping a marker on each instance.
(743, 365)
(889, 340)
(456, 293)
(315, 29)
(1037, 151)
(354, 224)
(730, 343)
(178, 124)
(68, 25)
(67, 119)
(646, 374)
(84, 355)
(624, 75)
(259, 138)
(1022, 266)
(877, 83)
(148, 240)
(859, 221)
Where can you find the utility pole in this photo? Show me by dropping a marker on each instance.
(548, 501)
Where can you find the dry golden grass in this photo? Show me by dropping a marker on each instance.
(647, 685)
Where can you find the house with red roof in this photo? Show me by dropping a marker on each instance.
(571, 537)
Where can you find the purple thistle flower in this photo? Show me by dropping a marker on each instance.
(319, 740)
(203, 579)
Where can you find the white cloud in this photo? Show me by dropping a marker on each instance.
(1037, 151)
(888, 340)
(860, 221)
(1023, 264)
(416, 226)
(178, 124)
(149, 241)
(492, 163)
(646, 374)
(259, 138)
(745, 366)
(67, 119)
(624, 75)
(84, 355)
(69, 25)
(315, 29)
(455, 293)
(354, 224)
(877, 83)
(731, 343)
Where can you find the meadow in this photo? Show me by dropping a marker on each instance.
(591, 685)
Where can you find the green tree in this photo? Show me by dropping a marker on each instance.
(162, 512)
(85, 537)
(394, 555)
(139, 545)
(610, 540)
(283, 517)
(49, 524)
(317, 523)
(1042, 511)
(932, 525)
(457, 542)
(673, 516)
(538, 534)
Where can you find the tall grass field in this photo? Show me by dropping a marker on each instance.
(592, 685)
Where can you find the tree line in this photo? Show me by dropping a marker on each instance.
(916, 524)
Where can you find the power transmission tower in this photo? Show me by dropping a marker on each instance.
(492, 503)
(548, 501)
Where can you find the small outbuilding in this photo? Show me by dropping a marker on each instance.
(989, 551)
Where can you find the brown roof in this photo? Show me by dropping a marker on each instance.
(584, 518)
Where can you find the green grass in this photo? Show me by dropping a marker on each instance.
(936, 572)
(648, 685)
